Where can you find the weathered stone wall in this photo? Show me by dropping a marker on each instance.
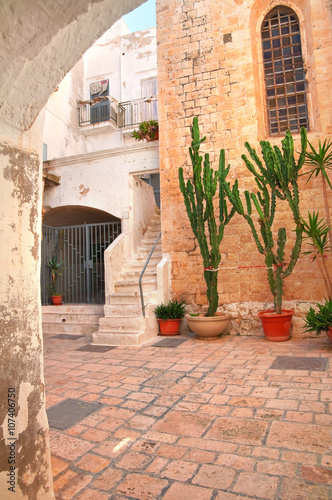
(209, 65)
(39, 45)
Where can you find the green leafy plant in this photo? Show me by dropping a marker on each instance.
(199, 193)
(321, 161)
(55, 267)
(172, 310)
(319, 319)
(316, 231)
(147, 131)
(276, 178)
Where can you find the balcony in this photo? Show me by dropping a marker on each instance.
(107, 114)
(98, 115)
(132, 113)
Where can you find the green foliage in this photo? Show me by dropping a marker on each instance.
(55, 267)
(319, 319)
(147, 131)
(320, 160)
(199, 193)
(173, 310)
(276, 178)
(316, 232)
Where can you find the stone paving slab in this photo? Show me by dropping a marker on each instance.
(200, 421)
(67, 336)
(300, 363)
(70, 412)
(95, 348)
(171, 343)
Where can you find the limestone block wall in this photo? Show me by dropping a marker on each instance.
(209, 65)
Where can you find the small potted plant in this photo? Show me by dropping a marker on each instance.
(277, 180)
(208, 223)
(55, 267)
(147, 131)
(320, 319)
(169, 317)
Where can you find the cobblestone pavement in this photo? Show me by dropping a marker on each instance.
(200, 421)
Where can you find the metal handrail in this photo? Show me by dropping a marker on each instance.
(142, 273)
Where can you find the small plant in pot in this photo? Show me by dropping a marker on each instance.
(55, 267)
(147, 131)
(276, 179)
(208, 224)
(320, 319)
(169, 317)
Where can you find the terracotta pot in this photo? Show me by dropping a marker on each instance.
(208, 327)
(169, 327)
(329, 334)
(276, 326)
(57, 300)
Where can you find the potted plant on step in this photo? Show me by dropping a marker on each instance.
(277, 180)
(169, 317)
(208, 224)
(55, 267)
(320, 319)
(147, 131)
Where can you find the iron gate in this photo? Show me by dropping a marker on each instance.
(81, 249)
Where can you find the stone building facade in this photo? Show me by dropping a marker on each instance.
(210, 65)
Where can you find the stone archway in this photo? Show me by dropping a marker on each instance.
(40, 43)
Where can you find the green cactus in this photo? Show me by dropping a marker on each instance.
(276, 177)
(198, 196)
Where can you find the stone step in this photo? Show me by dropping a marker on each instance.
(146, 247)
(140, 260)
(121, 324)
(132, 274)
(125, 299)
(74, 328)
(74, 308)
(119, 338)
(132, 286)
(131, 310)
(53, 317)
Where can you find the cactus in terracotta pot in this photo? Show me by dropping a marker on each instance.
(277, 179)
(207, 222)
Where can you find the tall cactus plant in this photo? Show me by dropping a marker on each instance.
(199, 193)
(276, 178)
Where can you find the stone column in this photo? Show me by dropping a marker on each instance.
(24, 439)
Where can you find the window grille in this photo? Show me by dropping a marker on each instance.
(284, 73)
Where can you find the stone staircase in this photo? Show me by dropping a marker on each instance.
(123, 322)
(74, 319)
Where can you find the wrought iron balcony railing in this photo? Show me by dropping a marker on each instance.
(131, 113)
(123, 115)
(102, 109)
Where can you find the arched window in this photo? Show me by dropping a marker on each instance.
(284, 73)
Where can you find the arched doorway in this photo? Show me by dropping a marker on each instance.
(77, 237)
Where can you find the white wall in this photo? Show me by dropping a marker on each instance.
(61, 130)
(138, 62)
(94, 169)
(125, 60)
(100, 182)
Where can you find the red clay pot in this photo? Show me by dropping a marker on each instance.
(169, 327)
(276, 326)
(56, 300)
(329, 334)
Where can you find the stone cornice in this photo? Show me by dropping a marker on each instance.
(99, 155)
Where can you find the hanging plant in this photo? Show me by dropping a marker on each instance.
(147, 131)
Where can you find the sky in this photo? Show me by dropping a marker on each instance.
(142, 18)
